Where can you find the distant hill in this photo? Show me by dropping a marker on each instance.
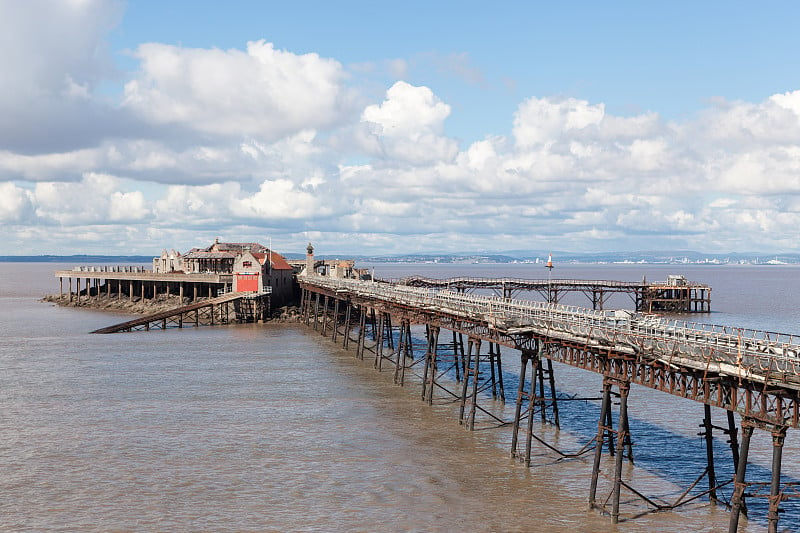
(516, 256)
(77, 259)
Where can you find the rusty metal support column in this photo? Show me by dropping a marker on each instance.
(362, 333)
(709, 440)
(379, 342)
(737, 499)
(389, 333)
(346, 325)
(399, 356)
(778, 437)
(465, 383)
(475, 375)
(316, 310)
(622, 431)
(325, 316)
(520, 396)
(430, 366)
(335, 331)
(456, 359)
(553, 398)
(308, 308)
(540, 379)
(491, 370)
(408, 353)
(498, 360)
(536, 363)
(601, 433)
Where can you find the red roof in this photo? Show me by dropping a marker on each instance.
(279, 262)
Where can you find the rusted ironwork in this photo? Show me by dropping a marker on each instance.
(673, 296)
(754, 373)
(242, 307)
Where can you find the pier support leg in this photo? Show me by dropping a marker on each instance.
(739, 485)
(622, 432)
(475, 374)
(492, 371)
(316, 311)
(379, 342)
(399, 357)
(346, 332)
(362, 332)
(335, 320)
(778, 437)
(456, 358)
(602, 428)
(325, 316)
(520, 398)
(551, 377)
(430, 366)
(733, 441)
(533, 401)
(709, 440)
(465, 383)
(499, 361)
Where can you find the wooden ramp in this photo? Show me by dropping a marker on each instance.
(231, 307)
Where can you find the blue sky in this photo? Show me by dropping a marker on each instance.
(369, 127)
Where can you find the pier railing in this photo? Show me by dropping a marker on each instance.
(761, 356)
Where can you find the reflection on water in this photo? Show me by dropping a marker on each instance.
(274, 428)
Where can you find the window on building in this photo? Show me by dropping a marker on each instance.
(247, 264)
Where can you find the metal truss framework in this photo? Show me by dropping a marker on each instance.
(239, 307)
(691, 361)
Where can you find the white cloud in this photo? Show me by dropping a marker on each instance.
(260, 92)
(53, 58)
(251, 140)
(542, 121)
(15, 204)
(96, 199)
(407, 126)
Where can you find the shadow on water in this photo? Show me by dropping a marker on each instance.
(671, 456)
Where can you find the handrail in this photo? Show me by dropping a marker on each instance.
(739, 352)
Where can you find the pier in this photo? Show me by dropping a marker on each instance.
(753, 374)
(131, 282)
(232, 307)
(676, 295)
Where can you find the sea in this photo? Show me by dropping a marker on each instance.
(273, 427)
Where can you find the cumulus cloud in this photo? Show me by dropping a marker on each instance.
(407, 126)
(259, 92)
(255, 139)
(54, 57)
(96, 199)
(15, 203)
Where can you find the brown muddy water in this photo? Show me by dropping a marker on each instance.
(274, 428)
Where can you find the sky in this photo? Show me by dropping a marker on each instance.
(372, 128)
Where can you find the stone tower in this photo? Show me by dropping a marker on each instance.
(309, 260)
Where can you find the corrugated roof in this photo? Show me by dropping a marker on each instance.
(279, 262)
(208, 255)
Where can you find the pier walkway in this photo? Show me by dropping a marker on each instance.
(753, 373)
(233, 306)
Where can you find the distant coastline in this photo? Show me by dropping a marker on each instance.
(77, 259)
(527, 257)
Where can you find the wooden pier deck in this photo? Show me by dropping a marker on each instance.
(215, 311)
